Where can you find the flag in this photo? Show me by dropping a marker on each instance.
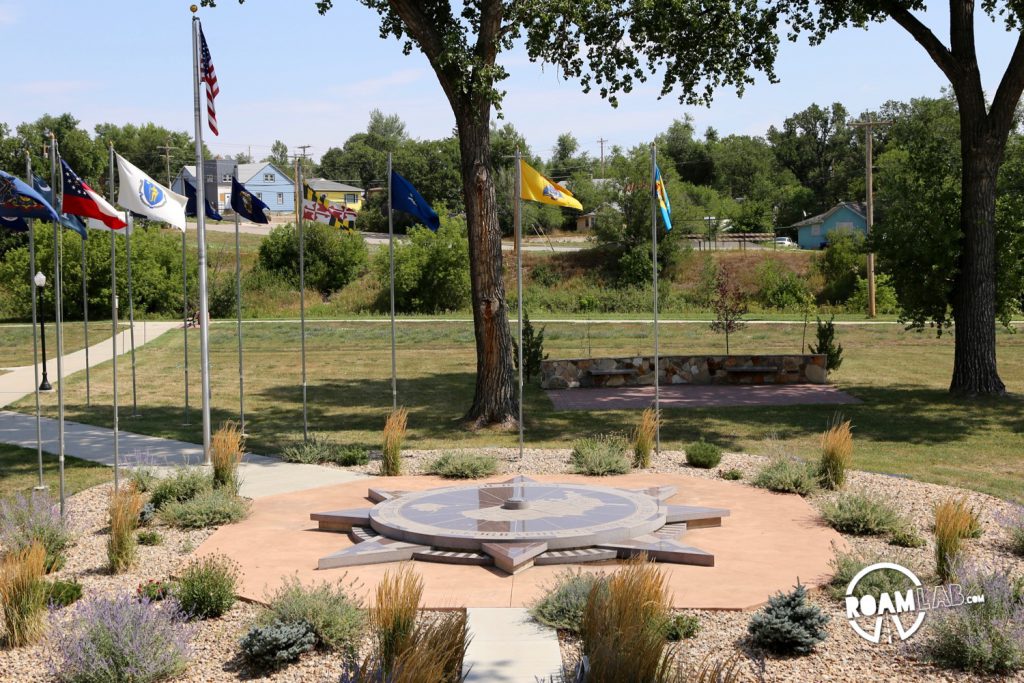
(246, 204)
(142, 195)
(208, 75)
(69, 221)
(190, 205)
(82, 200)
(662, 194)
(13, 224)
(404, 197)
(18, 200)
(319, 210)
(537, 188)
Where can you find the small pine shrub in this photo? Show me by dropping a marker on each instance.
(149, 537)
(731, 474)
(826, 344)
(270, 647)
(644, 437)
(146, 514)
(154, 590)
(682, 626)
(533, 349)
(703, 455)
(125, 504)
(23, 595)
(836, 455)
(463, 466)
(788, 624)
(601, 455)
(206, 587)
(393, 617)
(184, 484)
(564, 603)
(334, 616)
(35, 518)
(214, 507)
(845, 566)
(861, 515)
(350, 456)
(953, 523)
(787, 475)
(61, 593)
(119, 639)
(905, 535)
(394, 434)
(226, 451)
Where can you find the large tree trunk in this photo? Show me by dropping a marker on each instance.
(974, 297)
(495, 399)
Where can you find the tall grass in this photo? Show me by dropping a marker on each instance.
(125, 504)
(393, 617)
(226, 451)
(394, 434)
(643, 438)
(954, 521)
(23, 595)
(433, 654)
(836, 454)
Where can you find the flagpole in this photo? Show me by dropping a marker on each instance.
(58, 304)
(85, 318)
(391, 255)
(654, 268)
(131, 309)
(302, 295)
(184, 317)
(204, 350)
(238, 302)
(518, 207)
(35, 338)
(113, 326)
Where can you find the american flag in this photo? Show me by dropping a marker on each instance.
(209, 76)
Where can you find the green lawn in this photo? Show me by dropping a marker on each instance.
(19, 472)
(16, 340)
(907, 424)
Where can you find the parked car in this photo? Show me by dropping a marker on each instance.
(784, 242)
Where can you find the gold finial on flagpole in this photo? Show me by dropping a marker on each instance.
(194, 8)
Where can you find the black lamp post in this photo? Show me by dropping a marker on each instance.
(40, 282)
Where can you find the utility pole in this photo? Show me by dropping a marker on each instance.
(868, 125)
(601, 142)
(303, 155)
(167, 159)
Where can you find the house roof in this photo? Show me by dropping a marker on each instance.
(223, 167)
(857, 207)
(324, 185)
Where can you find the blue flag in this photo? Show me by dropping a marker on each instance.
(13, 224)
(404, 197)
(18, 200)
(246, 204)
(190, 206)
(70, 222)
(662, 194)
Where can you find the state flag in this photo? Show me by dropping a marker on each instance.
(537, 188)
(69, 221)
(404, 197)
(662, 194)
(190, 205)
(18, 200)
(142, 195)
(82, 200)
(246, 204)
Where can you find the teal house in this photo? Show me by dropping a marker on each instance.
(812, 233)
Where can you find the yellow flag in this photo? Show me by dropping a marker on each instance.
(537, 188)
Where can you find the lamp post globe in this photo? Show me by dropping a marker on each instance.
(40, 281)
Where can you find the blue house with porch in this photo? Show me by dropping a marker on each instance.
(263, 179)
(812, 233)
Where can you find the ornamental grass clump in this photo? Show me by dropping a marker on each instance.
(954, 521)
(861, 515)
(601, 455)
(23, 595)
(206, 587)
(563, 604)
(393, 617)
(115, 639)
(125, 504)
(35, 518)
(1015, 529)
(434, 653)
(463, 466)
(394, 435)
(226, 451)
(335, 617)
(788, 624)
(836, 455)
(644, 437)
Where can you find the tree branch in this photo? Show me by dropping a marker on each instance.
(1004, 104)
(942, 57)
(490, 31)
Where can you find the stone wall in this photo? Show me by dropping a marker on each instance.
(633, 371)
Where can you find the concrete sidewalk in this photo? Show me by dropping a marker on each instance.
(508, 646)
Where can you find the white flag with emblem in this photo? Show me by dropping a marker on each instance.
(141, 194)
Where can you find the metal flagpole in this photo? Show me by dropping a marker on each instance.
(302, 294)
(113, 327)
(518, 206)
(654, 261)
(391, 255)
(184, 317)
(58, 303)
(85, 318)
(238, 301)
(131, 309)
(204, 341)
(35, 339)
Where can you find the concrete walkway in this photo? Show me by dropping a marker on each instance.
(510, 647)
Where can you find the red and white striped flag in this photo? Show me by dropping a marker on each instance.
(208, 75)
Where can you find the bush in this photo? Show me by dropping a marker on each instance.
(125, 504)
(142, 478)
(333, 257)
(1015, 529)
(563, 604)
(533, 349)
(682, 626)
(146, 514)
(886, 302)
(703, 454)
(731, 474)
(269, 647)
(319, 448)
(184, 484)
(788, 624)
(463, 466)
(826, 344)
(545, 275)
(431, 270)
(634, 266)
(906, 536)
(61, 593)
(23, 594)
(841, 263)
(394, 434)
(601, 455)
(987, 637)
(334, 617)
(787, 475)
(836, 455)
(954, 521)
(154, 590)
(149, 538)
(211, 508)
(780, 288)
(845, 566)
(206, 587)
(860, 515)
(225, 454)
(349, 456)
(644, 437)
(25, 520)
(120, 639)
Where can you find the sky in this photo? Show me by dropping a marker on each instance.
(287, 73)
